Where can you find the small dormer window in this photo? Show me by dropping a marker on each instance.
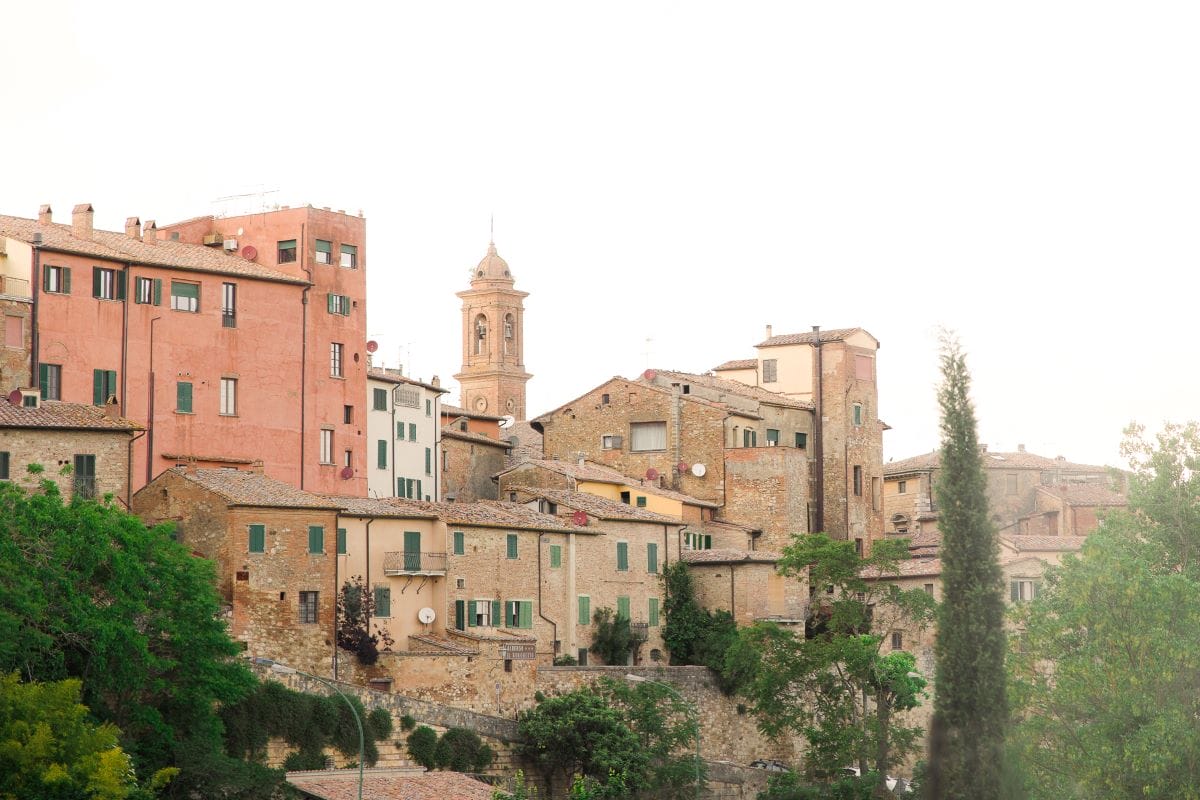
(30, 399)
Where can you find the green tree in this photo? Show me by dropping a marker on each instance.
(422, 746)
(49, 748)
(970, 707)
(461, 750)
(612, 639)
(1106, 662)
(835, 686)
(695, 635)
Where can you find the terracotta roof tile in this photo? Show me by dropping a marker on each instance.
(1086, 494)
(65, 416)
(1000, 460)
(490, 514)
(428, 643)
(456, 411)
(529, 441)
(912, 568)
(117, 246)
(831, 335)
(738, 363)
(390, 784)
(391, 376)
(735, 388)
(729, 556)
(595, 505)
(470, 436)
(589, 471)
(1030, 544)
(246, 488)
(378, 507)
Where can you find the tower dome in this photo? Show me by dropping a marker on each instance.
(492, 267)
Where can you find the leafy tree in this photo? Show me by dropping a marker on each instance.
(612, 638)
(835, 686)
(1106, 663)
(422, 746)
(970, 707)
(355, 610)
(52, 749)
(667, 728)
(88, 592)
(461, 750)
(695, 635)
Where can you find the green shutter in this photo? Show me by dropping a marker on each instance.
(383, 601)
(45, 279)
(512, 545)
(97, 387)
(420, 496)
(641, 501)
(652, 557)
(470, 613)
(258, 538)
(460, 615)
(412, 550)
(66, 282)
(495, 617)
(4, 466)
(525, 614)
(96, 272)
(44, 379)
(400, 431)
(428, 461)
(158, 291)
(183, 397)
(345, 306)
(324, 246)
(622, 608)
(287, 244)
(555, 555)
(316, 539)
(708, 541)
(412, 431)
(329, 302)
(428, 408)
(460, 545)
(622, 556)
(379, 398)
(381, 460)
(408, 487)
(120, 281)
(585, 609)
(652, 613)
(341, 541)
(1014, 590)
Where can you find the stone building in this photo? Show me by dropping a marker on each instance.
(1070, 509)
(1014, 481)
(403, 435)
(745, 584)
(83, 449)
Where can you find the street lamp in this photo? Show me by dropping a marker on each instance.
(284, 669)
(693, 712)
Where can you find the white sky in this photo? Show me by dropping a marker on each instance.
(1026, 173)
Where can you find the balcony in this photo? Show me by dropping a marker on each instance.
(407, 563)
(639, 631)
(15, 287)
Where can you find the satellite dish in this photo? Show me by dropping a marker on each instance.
(682, 466)
(427, 615)
(14, 397)
(579, 518)
(347, 473)
(372, 346)
(249, 252)
(650, 374)
(698, 470)
(507, 421)
(652, 474)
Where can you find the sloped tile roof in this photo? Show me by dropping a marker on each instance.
(595, 505)
(589, 471)
(735, 388)
(999, 460)
(912, 568)
(831, 335)
(1054, 544)
(246, 488)
(450, 432)
(116, 246)
(490, 514)
(380, 374)
(428, 643)
(63, 416)
(729, 556)
(1086, 494)
(378, 507)
(390, 785)
(456, 411)
(529, 442)
(738, 363)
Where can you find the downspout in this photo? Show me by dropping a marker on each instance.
(304, 354)
(553, 624)
(129, 470)
(337, 519)
(819, 431)
(125, 337)
(437, 447)
(35, 275)
(848, 466)
(732, 607)
(392, 435)
(150, 409)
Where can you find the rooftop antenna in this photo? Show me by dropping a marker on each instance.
(646, 352)
(492, 229)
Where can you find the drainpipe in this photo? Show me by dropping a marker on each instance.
(553, 624)
(304, 352)
(35, 274)
(819, 431)
(732, 607)
(125, 336)
(392, 435)
(129, 470)
(337, 519)
(150, 408)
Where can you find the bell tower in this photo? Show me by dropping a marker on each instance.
(493, 372)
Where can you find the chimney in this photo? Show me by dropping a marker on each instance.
(81, 221)
(435, 381)
(1020, 448)
(112, 409)
(256, 467)
(768, 331)
(45, 214)
(133, 227)
(150, 232)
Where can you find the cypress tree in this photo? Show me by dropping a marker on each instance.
(970, 705)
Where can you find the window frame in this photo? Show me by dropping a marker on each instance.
(644, 429)
(177, 304)
(310, 602)
(228, 305)
(56, 279)
(316, 540)
(147, 291)
(327, 252)
(261, 539)
(512, 547)
(382, 595)
(83, 481)
(379, 399)
(857, 480)
(350, 250)
(285, 255)
(229, 399)
(622, 556)
(337, 360)
(183, 397)
(770, 370)
(325, 454)
(50, 381)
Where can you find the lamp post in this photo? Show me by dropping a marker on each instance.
(692, 712)
(284, 669)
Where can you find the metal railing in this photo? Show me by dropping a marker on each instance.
(401, 563)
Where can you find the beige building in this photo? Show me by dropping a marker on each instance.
(403, 424)
(746, 584)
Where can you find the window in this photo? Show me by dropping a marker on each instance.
(348, 458)
(876, 494)
(609, 442)
(183, 397)
(14, 332)
(902, 487)
(228, 397)
(379, 399)
(341, 541)
(858, 414)
(412, 431)
(326, 447)
(622, 556)
(479, 612)
(929, 589)
(641, 501)
(381, 453)
(647, 436)
(864, 368)
(749, 437)
(460, 543)
(1010, 483)
(460, 615)
(519, 614)
(335, 359)
(3, 466)
(555, 556)
(185, 297)
(348, 414)
(652, 612)
(512, 545)
(50, 381)
(337, 304)
(585, 609)
(350, 256)
(1022, 590)
(445, 461)
(801, 440)
(286, 251)
(148, 291)
(229, 305)
(104, 386)
(858, 547)
(316, 539)
(108, 284)
(407, 397)
(383, 601)
(858, 480)
(604, 399)
(428, 461)
(770, 370)
(897, 640)
(258, 538)
(772, 437)
(582, 659)
(308, 607)
(85, 476)
(56, 280)
(324, 252)
(652, 557)
(429, 408)
(625, 497)
(623, 607)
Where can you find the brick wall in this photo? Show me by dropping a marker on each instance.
(768, 487)
(757, 591)
(55, 450)
(468, 468)
(14, 356)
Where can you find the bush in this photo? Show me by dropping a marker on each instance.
(613, 637)
(304, 760)
(566, 661)
(422, 746)
(791, 786)
(408, 722)
(461, 750)
(380, 723)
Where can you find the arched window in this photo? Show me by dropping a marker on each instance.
(509, 327)
(480, 335)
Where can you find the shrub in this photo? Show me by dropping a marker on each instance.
(408, 722)
(461, 750)
(613, 637)
(566, 660)
(304, 760)
(380, 723)
(422, 746)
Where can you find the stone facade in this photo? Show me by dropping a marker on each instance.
(17, 312)
(769, 486)
(468, 462)
(747, 585)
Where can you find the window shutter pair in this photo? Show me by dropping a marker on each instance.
(383, 601)
(316, 539)
(460, 545)
(258, 538)
(512, 545)
(183, 397)
(525, 614)
(65, 283)
(555, 555)
(341, 541)
(652, 615)
(104, 384)
(381, 460)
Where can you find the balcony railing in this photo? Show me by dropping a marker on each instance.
(639, 631)
(18, 287)
(409, 563)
